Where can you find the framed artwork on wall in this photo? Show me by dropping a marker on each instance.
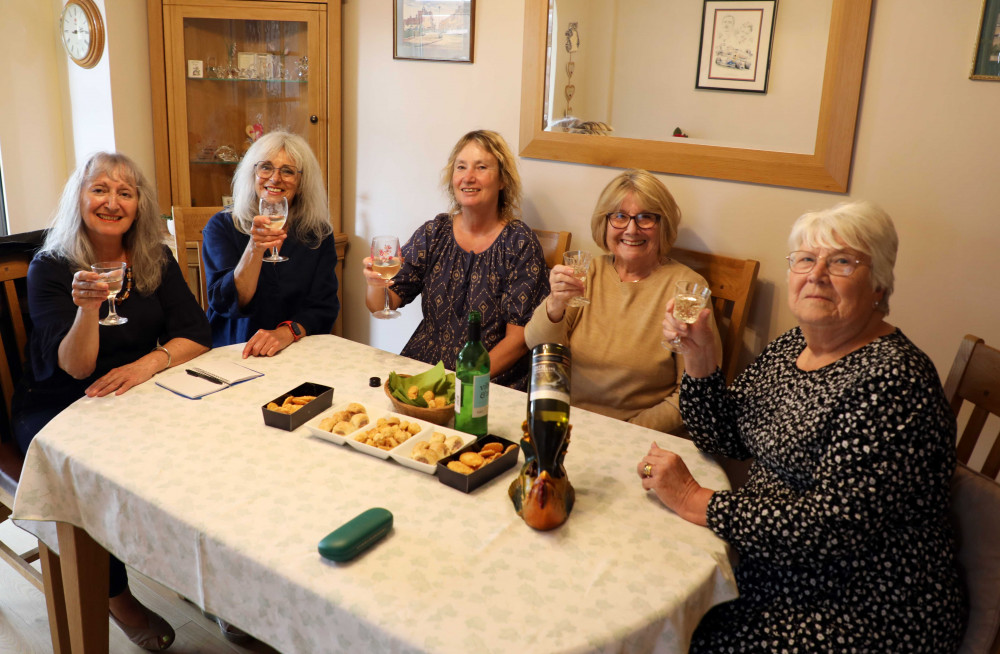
(986, 56)
(735, 50)
(434, 31)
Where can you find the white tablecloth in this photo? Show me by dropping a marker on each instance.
(203, 497)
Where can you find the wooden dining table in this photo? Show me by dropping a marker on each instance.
(204, 498)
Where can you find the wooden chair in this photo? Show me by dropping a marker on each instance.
(732, 282)
(554, 245)
(975, 497)
(188, 225)
(13, 338)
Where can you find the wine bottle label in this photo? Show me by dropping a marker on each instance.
(548, 394)
(481, 395)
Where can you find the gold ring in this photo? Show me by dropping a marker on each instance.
(647, 470)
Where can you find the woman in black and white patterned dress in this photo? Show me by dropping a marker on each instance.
(842, 527)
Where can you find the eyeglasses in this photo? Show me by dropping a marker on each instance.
(105, 194)
(265, 170)
(620, 219)
(841, 264)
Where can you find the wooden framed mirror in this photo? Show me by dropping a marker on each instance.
(826, 168)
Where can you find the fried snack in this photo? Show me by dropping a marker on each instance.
(355, 407)
(428, 397)
(412, 392)
(302, 399)
(439, 402)
(437, 447)
(453, 443)
(342, 428)
(460, 467)
(491, 448)
(344, 422)
(475, 461)
(471, 459)
(359, 420)
(388, 433)
(271, 406)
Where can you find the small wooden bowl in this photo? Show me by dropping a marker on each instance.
(441, 416)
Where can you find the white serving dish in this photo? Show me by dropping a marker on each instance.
(401, 453)
(425, 428)
(313, 425)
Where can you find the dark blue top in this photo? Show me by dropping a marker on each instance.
(302, 289)
(504, 283)
(171, 311)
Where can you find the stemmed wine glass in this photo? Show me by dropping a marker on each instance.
(276, 211)
(113, 274)
(386, 262)
(689, 299)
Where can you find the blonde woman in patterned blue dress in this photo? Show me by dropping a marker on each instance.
(842, 528)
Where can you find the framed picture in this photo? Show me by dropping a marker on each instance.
(986, 57)
(434, 30)
(735, 53)
(195, 68)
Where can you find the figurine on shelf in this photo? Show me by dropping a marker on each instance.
(679, 133)
(256, 130)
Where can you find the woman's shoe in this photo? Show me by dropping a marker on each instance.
(157, 635)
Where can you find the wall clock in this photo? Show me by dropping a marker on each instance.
(81, 30)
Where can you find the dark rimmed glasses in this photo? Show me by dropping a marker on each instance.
(265, 170)
(644, 220)
(841, 264)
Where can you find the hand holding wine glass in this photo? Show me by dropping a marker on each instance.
(111, 273)
(277, 212)
(579, 261)
(689, 299)
(386, 262)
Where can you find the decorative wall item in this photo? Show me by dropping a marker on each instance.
(736, 38)
(434, 31)
(572, 45)
(986, 57)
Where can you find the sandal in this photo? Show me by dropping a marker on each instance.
(156, 636)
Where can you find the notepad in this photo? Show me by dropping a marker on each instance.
(181, 382)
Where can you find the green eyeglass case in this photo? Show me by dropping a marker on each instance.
(356, 535)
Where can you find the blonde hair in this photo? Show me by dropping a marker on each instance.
(860, 225)
(509, 200)
(649, 193)
(308, 214)
(67, 235)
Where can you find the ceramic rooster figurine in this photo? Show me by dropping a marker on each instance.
(542, 494)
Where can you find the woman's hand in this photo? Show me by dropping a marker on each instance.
(563, 287)
(268, 342)
(697, 339)
(89, 293)
(665, 473)
(372, 278)
(263, 237)
(119, 380)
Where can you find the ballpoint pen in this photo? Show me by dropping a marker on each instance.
(204, 375)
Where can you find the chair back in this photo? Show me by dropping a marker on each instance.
(732, 282)
(13, 339)
(975, 378)
(554, 245)
(188, 225)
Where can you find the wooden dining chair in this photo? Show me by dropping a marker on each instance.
(188, 225)
(732, 282)
(554, 245)
(13, 339)
(975, 494)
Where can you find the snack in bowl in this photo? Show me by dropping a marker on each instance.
(291, 404)
(435, 448)
(469, 462)
(350, 419)
(388, 432)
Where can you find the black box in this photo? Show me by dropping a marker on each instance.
(292, 421)
(470, 482)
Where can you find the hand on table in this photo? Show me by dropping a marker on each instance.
(268, 342)
(118, 380)
(563, 287)
(666, 474)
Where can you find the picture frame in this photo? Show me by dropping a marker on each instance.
(735, 45)
(986, 52)
(421, 32)
(195, 69)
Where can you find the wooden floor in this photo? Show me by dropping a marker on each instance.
(24, 626)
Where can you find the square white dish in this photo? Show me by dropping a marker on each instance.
(425, 428)
(314, 429)
(401, 453)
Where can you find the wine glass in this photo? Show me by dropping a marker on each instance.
(579, 261)
(113, 274)
(689, 299)
(276, 211)
(386, 262)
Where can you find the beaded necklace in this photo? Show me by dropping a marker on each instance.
(128, 286)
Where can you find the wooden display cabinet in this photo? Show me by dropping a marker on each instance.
(224, 71)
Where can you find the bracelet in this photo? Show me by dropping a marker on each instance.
(167, 352)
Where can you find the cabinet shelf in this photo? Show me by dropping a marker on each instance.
(268, 80)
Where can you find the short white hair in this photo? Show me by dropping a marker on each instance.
(861, 225)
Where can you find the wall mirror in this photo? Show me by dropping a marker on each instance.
(799, 134)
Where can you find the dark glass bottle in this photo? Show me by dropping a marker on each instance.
(548, 404)
(472, 381)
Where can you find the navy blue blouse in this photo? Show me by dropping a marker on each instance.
(504, 283)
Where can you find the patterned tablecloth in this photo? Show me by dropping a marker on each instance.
(203, 497)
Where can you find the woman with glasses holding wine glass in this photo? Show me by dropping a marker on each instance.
(270, 259)
(107, 215)
(842, 529)
(619, 367)
(479, 255)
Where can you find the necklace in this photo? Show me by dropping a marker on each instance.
(128, 286)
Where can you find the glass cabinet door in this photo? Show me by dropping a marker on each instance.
(233, 78)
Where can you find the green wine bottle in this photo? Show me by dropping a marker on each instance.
(472, 381)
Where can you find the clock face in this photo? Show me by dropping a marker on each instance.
(82, 32)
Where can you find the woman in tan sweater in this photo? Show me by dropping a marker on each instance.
(619, 367)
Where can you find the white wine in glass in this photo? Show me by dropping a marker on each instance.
(579, 261)
(386, 262)
(689, 299)
(111, 273)
(277, 213)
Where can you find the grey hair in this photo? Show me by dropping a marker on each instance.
(67, 235)
(860, 225)
(308, 215)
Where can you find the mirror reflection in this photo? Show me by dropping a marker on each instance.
(627, 68)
